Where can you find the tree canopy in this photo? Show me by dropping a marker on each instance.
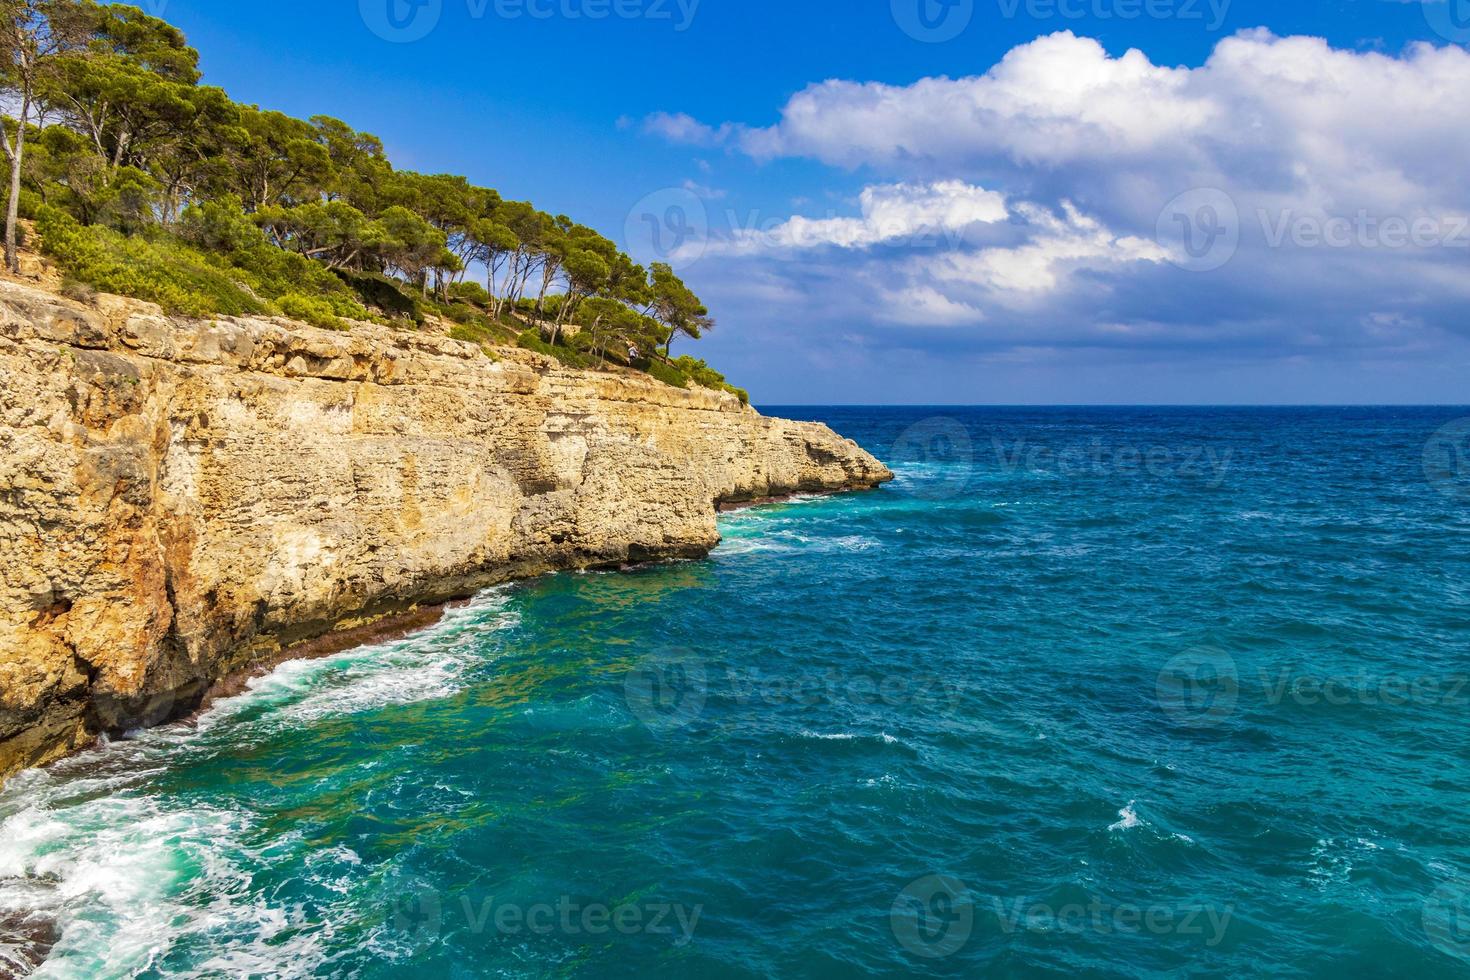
(110, 129)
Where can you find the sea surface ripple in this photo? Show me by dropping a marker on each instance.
(1085, 692)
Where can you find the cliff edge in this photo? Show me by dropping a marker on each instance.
(183, 498)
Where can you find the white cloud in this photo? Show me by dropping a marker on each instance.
(926, 306)
(704, 190)
(1059, 245)
(1281, 115)
(891, 214)
(1049, 101)
(1061, 161)
(679, 127)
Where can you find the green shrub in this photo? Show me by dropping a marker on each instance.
(275, 274)
(383, 293)
(260, 280)
(234, 243)
(315, 310)
(470, 292)
(531, 340)
(484, 334)
(160, 271)
(463, 313)
(705, 376)
(668, 373)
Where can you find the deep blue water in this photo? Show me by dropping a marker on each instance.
(1086, 692)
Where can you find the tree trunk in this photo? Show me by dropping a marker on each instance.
(12, 213)
(490, 288)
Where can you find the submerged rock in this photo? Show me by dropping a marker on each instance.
(26, 939)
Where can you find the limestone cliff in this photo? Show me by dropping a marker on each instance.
(180, 499)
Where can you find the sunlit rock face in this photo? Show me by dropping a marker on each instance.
(183, 498)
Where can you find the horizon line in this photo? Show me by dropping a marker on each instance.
(1112, 404)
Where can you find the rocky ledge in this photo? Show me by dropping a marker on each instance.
(182, 499)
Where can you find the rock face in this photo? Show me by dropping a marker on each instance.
(181, 499)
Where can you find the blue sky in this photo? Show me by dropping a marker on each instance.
(993, 210)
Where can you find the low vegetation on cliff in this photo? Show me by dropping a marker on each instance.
(143, 182)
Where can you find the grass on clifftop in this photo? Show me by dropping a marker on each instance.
(184, 280)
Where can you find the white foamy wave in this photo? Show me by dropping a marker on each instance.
(832, 737)
(422, 667)
(883, 737)
(748, 546)
(1334, 859)
(128, 874)
(791, 542)
(1129, 818)
(124, 878)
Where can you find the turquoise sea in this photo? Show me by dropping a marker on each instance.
(1085, 692)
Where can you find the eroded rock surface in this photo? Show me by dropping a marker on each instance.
(181, 498)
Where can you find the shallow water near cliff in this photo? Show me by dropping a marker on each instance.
(1084, 692)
